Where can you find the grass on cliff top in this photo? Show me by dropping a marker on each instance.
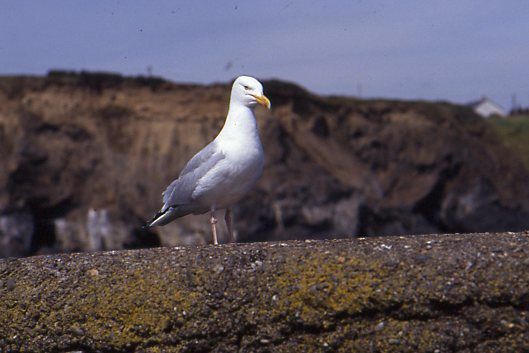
(514, 132)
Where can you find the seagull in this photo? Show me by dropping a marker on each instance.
(226, 169)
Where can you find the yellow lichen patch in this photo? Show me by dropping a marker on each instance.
(120, 310)
(133, 308)
(327, 285)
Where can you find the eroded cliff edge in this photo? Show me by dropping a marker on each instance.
(436, 293)
(85, 157)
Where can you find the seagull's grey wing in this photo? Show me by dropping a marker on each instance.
(180, 190)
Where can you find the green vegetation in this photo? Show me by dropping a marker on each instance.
(514, 132)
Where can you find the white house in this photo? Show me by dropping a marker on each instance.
(487, 108)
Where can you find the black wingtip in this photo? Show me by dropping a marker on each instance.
(156, 216)
(146, 226)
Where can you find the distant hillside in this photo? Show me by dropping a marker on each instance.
(514, 132)
(86, 156)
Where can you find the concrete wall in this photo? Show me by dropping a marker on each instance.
(438, 293)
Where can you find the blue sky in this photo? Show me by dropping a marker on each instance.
(449, 50)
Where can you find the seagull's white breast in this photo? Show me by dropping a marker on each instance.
(238, 172)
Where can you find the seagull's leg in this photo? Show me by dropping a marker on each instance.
(227, 218)
(213, 222)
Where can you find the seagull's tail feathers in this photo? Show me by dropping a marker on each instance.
(165, 216)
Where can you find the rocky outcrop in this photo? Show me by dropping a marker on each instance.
(86, 156)
(439, 293)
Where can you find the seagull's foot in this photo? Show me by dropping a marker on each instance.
(213, 222)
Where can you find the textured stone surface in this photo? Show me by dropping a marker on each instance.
(436, 293)
(84, 155)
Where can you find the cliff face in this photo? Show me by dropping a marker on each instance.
(85, 158)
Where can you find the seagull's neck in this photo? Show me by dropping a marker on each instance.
(240, 122)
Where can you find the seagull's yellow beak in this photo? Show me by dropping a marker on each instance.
(265, 102)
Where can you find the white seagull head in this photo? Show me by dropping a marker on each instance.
(248, 91)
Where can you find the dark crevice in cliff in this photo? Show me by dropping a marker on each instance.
(44, 235)
(142, 238)
(430, 205)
